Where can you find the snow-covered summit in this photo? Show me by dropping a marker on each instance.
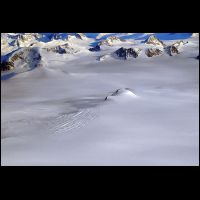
(110, 41)
(154, 41)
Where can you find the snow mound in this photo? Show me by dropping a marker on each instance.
(123, 93)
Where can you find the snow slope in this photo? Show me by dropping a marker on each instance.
(56, 114)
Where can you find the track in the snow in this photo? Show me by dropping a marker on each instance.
(67, 122)
(84, 111)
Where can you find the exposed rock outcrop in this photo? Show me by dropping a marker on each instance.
(80, 36)
(57, 49)
(122, 92)
(179, 44)
(153, 52)
(62, 49)
(96, 48)
(174, 48)
(28, 56)
(125, 53)
(6, 66)
(24, 40)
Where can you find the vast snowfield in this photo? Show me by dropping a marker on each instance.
(56, 113)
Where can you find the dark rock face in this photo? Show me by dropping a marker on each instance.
(153, 52)
(60, 50)
(125, 53)
(171, 50)
(57, 49)
(121, 53)
(5, 66)
(97, 48)
(80, 35)
(132, 53)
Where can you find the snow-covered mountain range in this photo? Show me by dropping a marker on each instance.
(71, 43)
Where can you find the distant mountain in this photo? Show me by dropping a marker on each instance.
(110, 40)
(61, 49)
(71, 43)
(154, 41)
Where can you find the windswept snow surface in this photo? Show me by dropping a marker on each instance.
(56, 114)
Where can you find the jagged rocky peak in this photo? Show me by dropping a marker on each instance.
(7, 44)
(26, 55)
(125, 53)
(154, 40)
(153, 52)
(62, 49)
(110, 40)
(56, 49)
(174, 48)
(25, 39)
(179, 44)
(29, 36)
